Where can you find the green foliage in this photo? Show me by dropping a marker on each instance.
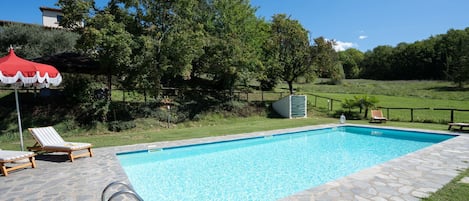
(377, 64)
(75, 11)
(326, 60)
(337, 73)
(349, 104)
(363, 102)
(233, 44)
(118, 126)
(31, 41)
(351, 59)
(80, 90)
(288, 50)
(146, 43)
(439, 57)
(455, 54)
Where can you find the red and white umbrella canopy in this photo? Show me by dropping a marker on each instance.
(15, 70)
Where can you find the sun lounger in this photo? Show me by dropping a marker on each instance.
(377, 116)
(14, 160)
(48, 140)
(461, 125)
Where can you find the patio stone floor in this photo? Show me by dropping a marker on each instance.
(408, 178)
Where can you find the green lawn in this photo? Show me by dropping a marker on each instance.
(454, 191)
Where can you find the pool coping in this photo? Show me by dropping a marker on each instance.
(409, 177)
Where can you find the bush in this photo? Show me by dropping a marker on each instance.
(92, 100)
(118, 126)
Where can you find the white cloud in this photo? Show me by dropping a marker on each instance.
(362, 37)
(341, 46)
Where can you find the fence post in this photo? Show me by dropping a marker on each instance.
(411, 115)
(247, 96)
(332, 104)
(387, 113)
(262, 96)
(452, 116)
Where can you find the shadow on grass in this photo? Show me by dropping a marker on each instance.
(453, 88)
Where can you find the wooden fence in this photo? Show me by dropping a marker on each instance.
(462, 117)
(420, 114)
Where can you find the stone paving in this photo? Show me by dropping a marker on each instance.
(408, 178)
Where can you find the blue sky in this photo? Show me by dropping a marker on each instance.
(361, 24)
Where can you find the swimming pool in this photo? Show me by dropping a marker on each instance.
(266, 168)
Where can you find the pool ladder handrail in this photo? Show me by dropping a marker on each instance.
(129, 191)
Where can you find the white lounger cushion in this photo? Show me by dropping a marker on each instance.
(69, 146)
(9, 156)
(47, 136)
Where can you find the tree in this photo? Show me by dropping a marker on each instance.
(31, 41)
(377, 63)
(169, 37)
(454, 48)
(289, 50)
(349, 104)
(351, 60)
(106, 39)
(365, 102)
(326, 60)
(232, 52)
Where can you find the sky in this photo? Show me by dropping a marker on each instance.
(360, 24)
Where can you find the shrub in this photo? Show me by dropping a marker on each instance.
(118, 126)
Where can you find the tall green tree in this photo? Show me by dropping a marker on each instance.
(377, 63)
(106, 39)
(232, 52)
(289, 50)
(454, 48)
(169, 36)
(351, 60)
(103, 36)
(327, 60)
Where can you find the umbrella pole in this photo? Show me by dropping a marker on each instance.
(19, 119)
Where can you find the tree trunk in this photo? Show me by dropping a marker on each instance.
(290, 87)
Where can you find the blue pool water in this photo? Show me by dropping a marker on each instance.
(266, 168)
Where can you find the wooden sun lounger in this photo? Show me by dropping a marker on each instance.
(377, 116)
(11, 157)
(461, 125)
(48, 140)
